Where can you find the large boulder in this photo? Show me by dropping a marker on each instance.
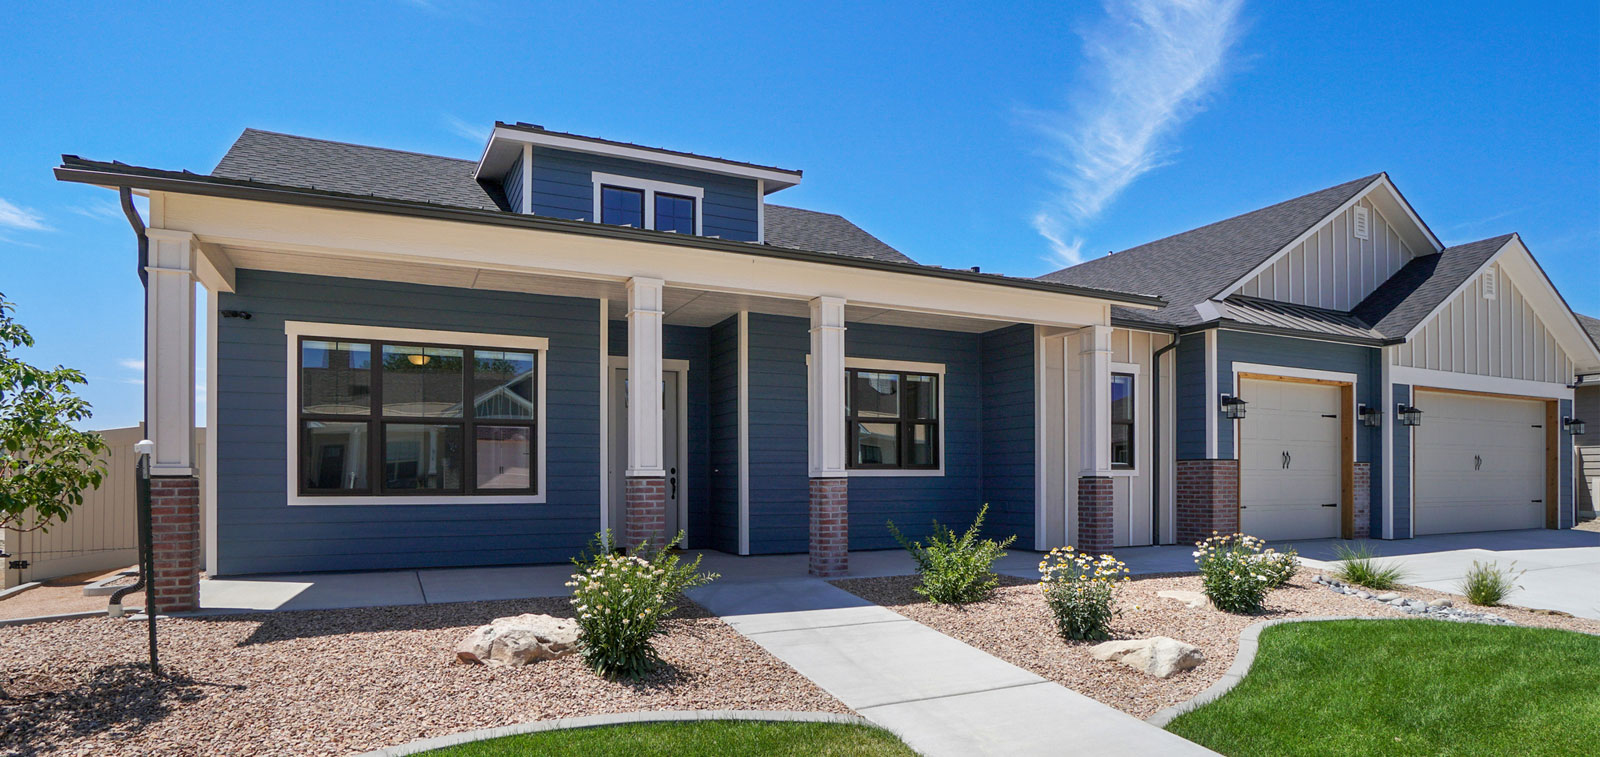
(1194, 599)
(1158, 656)
(520, 640)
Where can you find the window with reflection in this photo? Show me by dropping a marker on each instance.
(622, 206)
(1122, 414)
(674, 213)
(418, 419)
(892, 419)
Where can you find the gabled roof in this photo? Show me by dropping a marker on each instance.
(1591, 326)
(1422, 284)
(497, 158)
(1187, 269)
(825, 232)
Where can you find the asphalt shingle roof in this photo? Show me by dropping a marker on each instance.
(294, 161)
(1188, 268)
(1402, 302)
(1591, 325)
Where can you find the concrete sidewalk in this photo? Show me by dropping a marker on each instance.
(941, 696)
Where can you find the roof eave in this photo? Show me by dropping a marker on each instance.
(109, 175)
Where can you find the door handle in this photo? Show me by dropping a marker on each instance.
(674, 482)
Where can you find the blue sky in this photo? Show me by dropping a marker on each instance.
(1008, 138)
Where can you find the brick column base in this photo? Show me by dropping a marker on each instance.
(1096, 530)
(830, 527)
(644, 514)
(1208, 499)
(175, 532)
(1362, 501)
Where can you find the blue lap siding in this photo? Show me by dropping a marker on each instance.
(1007, 357)
(1402, 467)
(1192, 402)
(259, 532)
(723, 430)
(563, 187)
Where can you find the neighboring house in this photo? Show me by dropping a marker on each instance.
(1588, 447)
(1329, 313)
(809, 382)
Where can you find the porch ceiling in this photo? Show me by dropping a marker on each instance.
(684, 306)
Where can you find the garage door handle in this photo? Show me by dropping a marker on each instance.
(1537, 501)
(1331, 504)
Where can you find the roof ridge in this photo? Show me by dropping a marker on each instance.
(305, 138)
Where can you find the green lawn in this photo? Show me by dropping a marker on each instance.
(1409, 687)
(708, 737)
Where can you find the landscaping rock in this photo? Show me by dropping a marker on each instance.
(1159, 656)
(519, 640)
(1440, 603)
(1389, 597)
(1194, 599)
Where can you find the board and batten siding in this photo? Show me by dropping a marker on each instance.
(259, 532)
(1009, 393)
(1500, 337)
(1332, 268)
(563, 187)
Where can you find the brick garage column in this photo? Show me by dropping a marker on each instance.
(1095, 526)
(1361, 506)
(644, 511)
(175, 531)
(830, 527)
(1208, 499)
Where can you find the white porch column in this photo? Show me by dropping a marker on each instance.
(169, 351)
(645, 488)
(826, 406)
(1095, 410)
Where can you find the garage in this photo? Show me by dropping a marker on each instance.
(1289, 459)
(1479, 463)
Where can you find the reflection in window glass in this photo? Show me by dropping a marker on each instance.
(502, 384)
(334, 456)
(877, 444)
(874, 395)
(335, 378)
(504, 456)
(1122, 416)
(922, 397)
(622, 207)
(674, 213)
(421, 382)
(417, 456)
(920, 447)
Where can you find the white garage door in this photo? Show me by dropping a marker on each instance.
(1289, 460)
(1479, 464)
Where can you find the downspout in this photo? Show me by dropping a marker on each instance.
(114, 608)
(1155, 435)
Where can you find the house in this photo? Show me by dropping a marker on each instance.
(420, 361)
(1388, 385)
(1587, 404)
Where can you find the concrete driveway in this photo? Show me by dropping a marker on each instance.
(1563, 567)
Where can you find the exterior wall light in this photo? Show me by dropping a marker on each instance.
(1408, 415)
(1233, 407)
(1371, 417)
(1573, 426)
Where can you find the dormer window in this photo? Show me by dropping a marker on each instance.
(647, 204)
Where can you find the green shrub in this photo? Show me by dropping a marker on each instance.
(1081, 592)
(1279, 566)
(955, 569)
(1358, 566)
(1236, 574)
(1488, 584)
(622, 599)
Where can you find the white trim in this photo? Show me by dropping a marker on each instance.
(744, 432)
(605, 413)
(680, 367)
(1039, 380)
(649, 187)
(209, 469)
(826, 387)
(293, 330)
(912, 366)
(1211, 393)
(648, 155)
(1386, 373)
(527, 178)
(1471, 382)
(1069, 479)
(761, 211)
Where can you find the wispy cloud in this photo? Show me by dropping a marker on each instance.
(100, 210)
(131, 363)
(25, 219)
(1148, 68)
(465, 129)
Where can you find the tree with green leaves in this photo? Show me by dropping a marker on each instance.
(45, 463)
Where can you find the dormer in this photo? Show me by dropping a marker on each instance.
(580, 178)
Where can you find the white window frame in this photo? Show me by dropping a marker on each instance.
(294, 330)
(1139, 438)
(910, 367)
(650, 187)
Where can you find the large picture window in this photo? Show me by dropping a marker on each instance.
(1122, 420)
(892, 418)
(380, 417)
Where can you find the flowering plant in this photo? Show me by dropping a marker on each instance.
(1237, 573)
(622, 599)
(1081, 592)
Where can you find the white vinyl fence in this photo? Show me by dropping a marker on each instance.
(102, 534)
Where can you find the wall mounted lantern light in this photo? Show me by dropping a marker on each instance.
(1233, 407)
(1371, 417)
(1573, 426)
(1408, 415)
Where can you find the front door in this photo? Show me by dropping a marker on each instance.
(672, 417)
